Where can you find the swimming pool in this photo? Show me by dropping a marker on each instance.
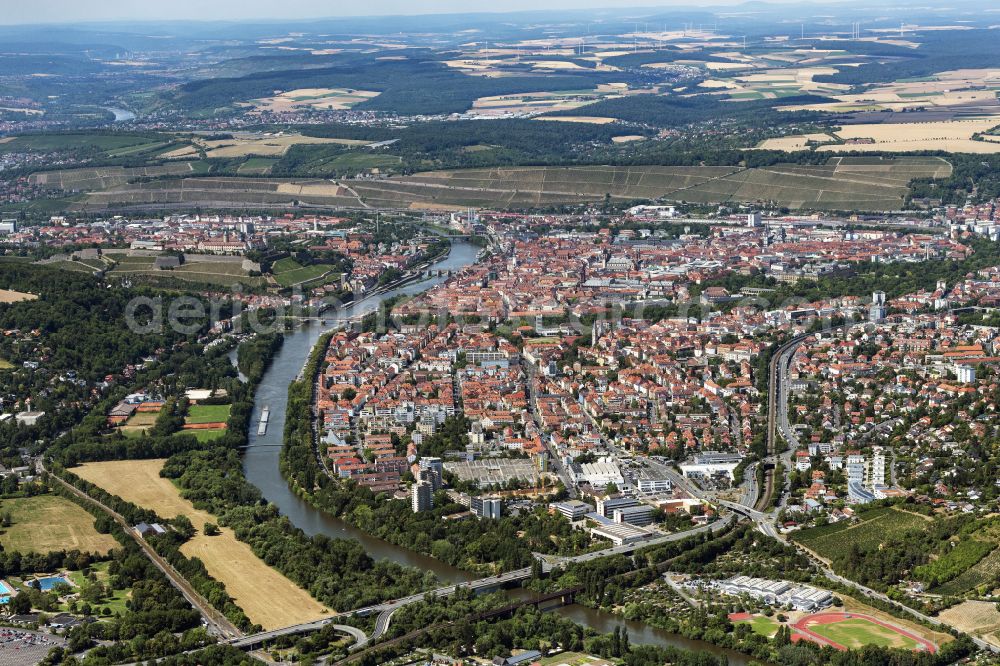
(47, 583)
(5, 592)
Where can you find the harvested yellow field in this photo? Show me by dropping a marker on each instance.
(722, 66)
(628, 138)
(793, 142)
(333, 99)
(266, 145)
(949, 135)
(590, 120)
(315, 188)
(554, 64)
(717, 83)
(178, 153)
(266, 596)
(430, 205)
(945, 89)
(546, 102)
(8, 296)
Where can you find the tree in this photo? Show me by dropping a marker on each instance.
(211, 529)
(20, 604)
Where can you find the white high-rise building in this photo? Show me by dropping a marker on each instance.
(966, 374)
(877, 476)
(422, 496)
(855, 468)
(877, 311)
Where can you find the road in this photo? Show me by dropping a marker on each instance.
(556, 465)
(627, 549)
(361, 639)
(216, 621)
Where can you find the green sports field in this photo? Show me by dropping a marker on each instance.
(857, 632)
(762, 625)
(208, 414)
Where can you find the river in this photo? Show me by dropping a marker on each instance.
(260, 464)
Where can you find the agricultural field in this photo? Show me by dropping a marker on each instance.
(331, 99)
(99, 178)
(532, 186)
(976, 558)
(954, 136)
(9, 296)
(876, 526)
(959, 91)
(47, 523)
(546, 102)
(984, 572)
(358, 160)
(264, 145)
(871, 184)
(256, 166)
(775, 83)
(795, 142)
(841, 184)
(978, 618)
(76, 141)
(266, 596)
(223, 192)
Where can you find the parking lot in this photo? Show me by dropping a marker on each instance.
(19, 647)
(494, 472)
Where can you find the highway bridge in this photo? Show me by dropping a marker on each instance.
(562, 597)
(383, 611)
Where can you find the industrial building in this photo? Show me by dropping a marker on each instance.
(640, 516)
(573, 509)
(777, 592)
(607, 505)
(620, 534)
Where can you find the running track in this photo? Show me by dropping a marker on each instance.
(831, 618)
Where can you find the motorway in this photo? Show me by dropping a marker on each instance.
(384, 612)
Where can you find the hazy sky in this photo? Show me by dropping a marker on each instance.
(65, 11)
